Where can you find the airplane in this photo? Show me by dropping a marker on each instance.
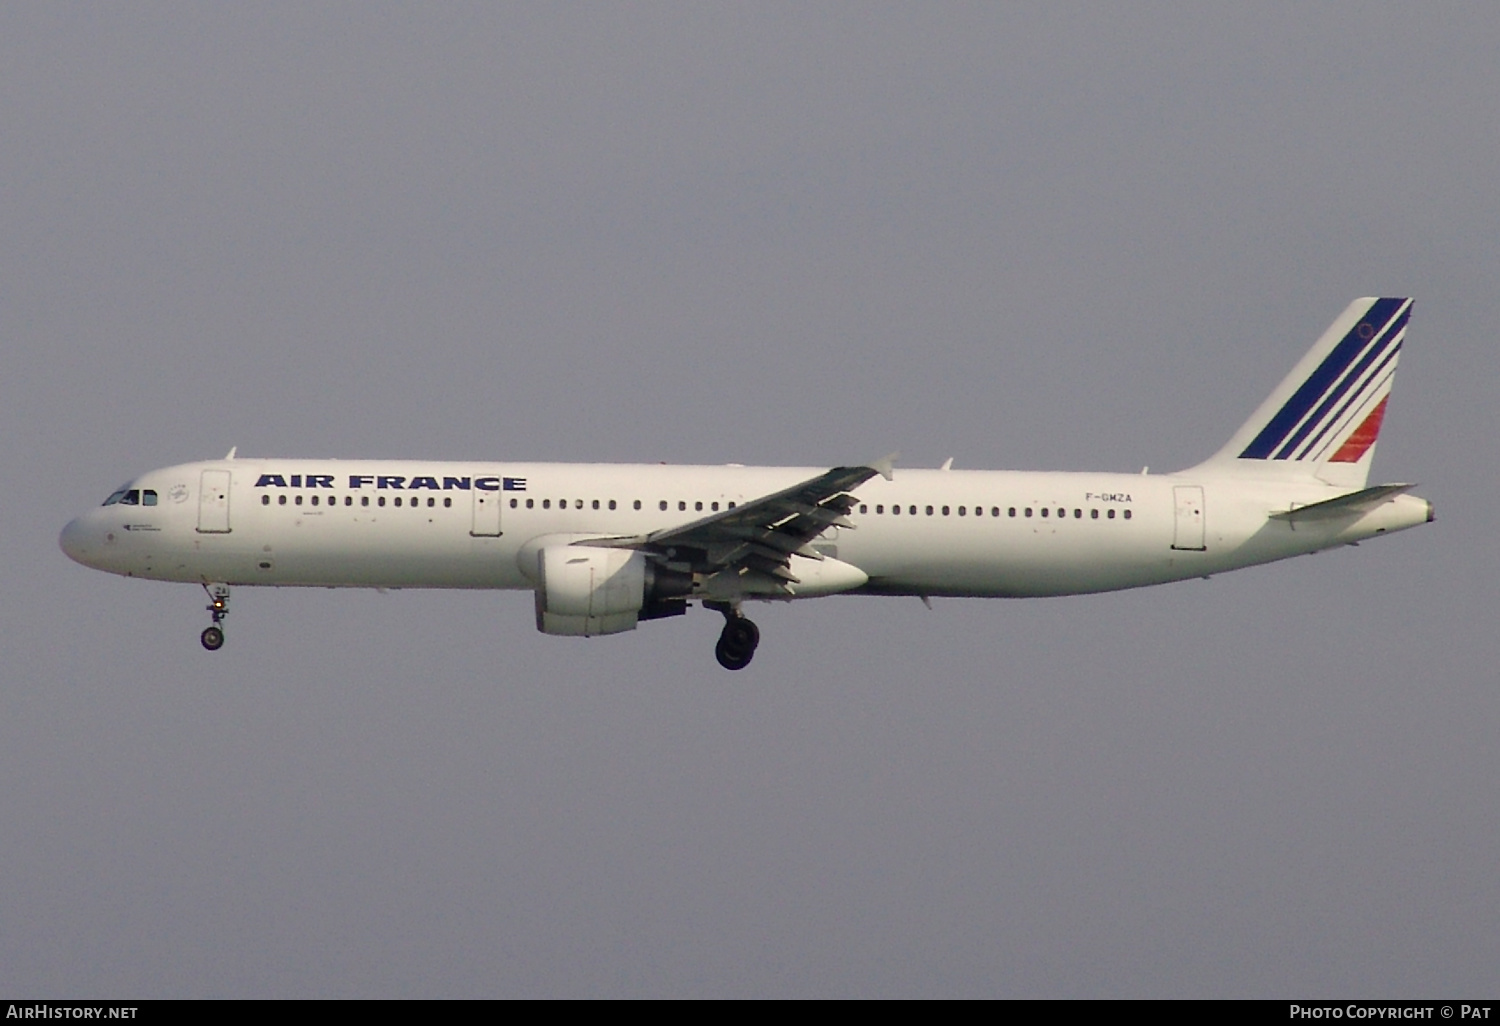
(603, 547)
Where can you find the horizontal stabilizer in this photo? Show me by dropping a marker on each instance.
(1351, 505)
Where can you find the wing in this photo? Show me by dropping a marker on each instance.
(752, 544)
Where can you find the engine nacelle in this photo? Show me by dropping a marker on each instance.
(584, 590)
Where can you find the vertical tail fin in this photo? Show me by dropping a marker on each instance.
(1323, 419)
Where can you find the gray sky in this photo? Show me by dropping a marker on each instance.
(1057, 237)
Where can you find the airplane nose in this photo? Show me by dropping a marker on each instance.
(74, 541)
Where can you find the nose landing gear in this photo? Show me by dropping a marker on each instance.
(218, 607)
(738, 640)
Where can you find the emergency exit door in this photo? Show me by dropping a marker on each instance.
(486, 514)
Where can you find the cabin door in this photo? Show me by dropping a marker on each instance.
(213, 502)
(1188, 533)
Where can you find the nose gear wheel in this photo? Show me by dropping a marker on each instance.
(218, 608)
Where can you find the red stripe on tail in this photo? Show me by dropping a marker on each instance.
(1357, 444)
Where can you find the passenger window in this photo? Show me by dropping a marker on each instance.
(681, 506)
(663, 504)
(448, 502)
(1127, 514)
(398, 502)
(596, 503)
(611, 503)
(1110, 514)
(714, 506)
(530, 503)
(265, 500)
(431, 502)
(961, 511)
(546, 504)
(380, 501)
(578, 504)
(1094, 514)
(911, 510)
(698, 506)
(1045, 511)
(637, 504)
(864, 509)
(1012, 511)
(945, 511)
(298, 500)
(1078, 514)
(513, 502)
(364, 500)
(731, 505)
(1028, 511)
(281, 500)
(895, 511)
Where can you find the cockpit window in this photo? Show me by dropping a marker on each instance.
(132, 497)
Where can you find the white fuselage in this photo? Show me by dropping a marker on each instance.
(416, 524)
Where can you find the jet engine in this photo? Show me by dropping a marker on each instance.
(587, 590)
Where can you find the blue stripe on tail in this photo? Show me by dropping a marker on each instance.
(1382, 342)
(1317, 385)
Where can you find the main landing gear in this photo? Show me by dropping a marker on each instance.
(739, 638)
(218, 607)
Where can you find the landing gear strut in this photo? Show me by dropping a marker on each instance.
(218, 607)
(738, 640)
